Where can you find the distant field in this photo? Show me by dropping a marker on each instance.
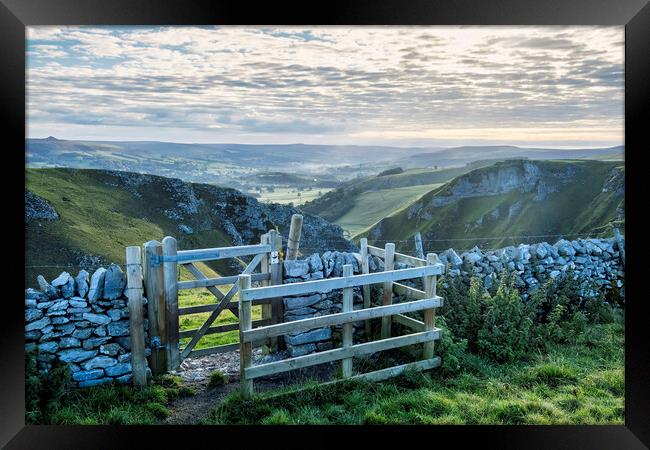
(372, 206)
(288, 195)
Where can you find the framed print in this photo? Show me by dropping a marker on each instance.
(370, 215)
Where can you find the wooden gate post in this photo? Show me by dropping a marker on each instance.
(245, 349)
(155, 293)
(275, 269)
(170, 270)
(136, 324)
(419, 251)
(365, 268)
(346, 364)
(294, 237)
(265, 267)
(430, 284)
(389, 264)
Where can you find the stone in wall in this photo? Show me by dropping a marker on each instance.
(89, 331)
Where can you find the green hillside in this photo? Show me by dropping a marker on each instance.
(358, 204)
(512, 198)
(98, 217)
(99, 213)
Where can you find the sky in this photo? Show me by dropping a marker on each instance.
(424, 86)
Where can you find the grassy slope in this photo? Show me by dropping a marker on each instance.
(358, 204)
(577, 207)
(579, 383)
(98, 218)
(372, 206)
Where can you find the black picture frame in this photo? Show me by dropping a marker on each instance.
(15, 15)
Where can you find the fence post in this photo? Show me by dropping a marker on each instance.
(155, 294)
(136, 325)
(389, 264)
(265, 267)
(275, 268)
(245, 349)
(621, 248)
(418, 245)
(294, 237)
(170, 270)
(346, 364)
(430, 284)
(365, 268)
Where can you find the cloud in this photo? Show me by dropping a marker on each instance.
(315, 83)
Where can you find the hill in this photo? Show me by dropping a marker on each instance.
(461, 155)
(233, 164)
(88, 217)
(357, 204)
(511, 198)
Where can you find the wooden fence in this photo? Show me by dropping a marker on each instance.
(417, 300)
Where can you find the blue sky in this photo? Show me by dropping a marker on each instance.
(402, 86)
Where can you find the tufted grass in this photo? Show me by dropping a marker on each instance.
(119, 404)
(581, 383)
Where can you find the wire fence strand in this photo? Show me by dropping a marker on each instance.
(396, 241)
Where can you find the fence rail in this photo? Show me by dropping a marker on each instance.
(211, 254)
(399, 257)
(425, 301)
(306, 287)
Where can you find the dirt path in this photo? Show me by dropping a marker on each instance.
(195, 373)
(190, 410)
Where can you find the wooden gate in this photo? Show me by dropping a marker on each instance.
(162, 262)
(416, 300)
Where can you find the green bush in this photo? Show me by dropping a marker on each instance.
(505, 331)
(44, 390)
(504, 327)
(450, 349)
(464, 307)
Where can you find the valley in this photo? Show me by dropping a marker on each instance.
(227, 195)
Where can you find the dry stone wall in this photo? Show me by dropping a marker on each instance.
(592, 261)
(82, 321)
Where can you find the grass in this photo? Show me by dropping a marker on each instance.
(372, 206)
(217, 378)
(578, 383)
(119, 404)
(581, 383)
(196, 297)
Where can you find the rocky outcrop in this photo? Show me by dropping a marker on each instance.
(85, 328)
(245, 219)
(523, 176)
(37, 208)
(203, 207)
